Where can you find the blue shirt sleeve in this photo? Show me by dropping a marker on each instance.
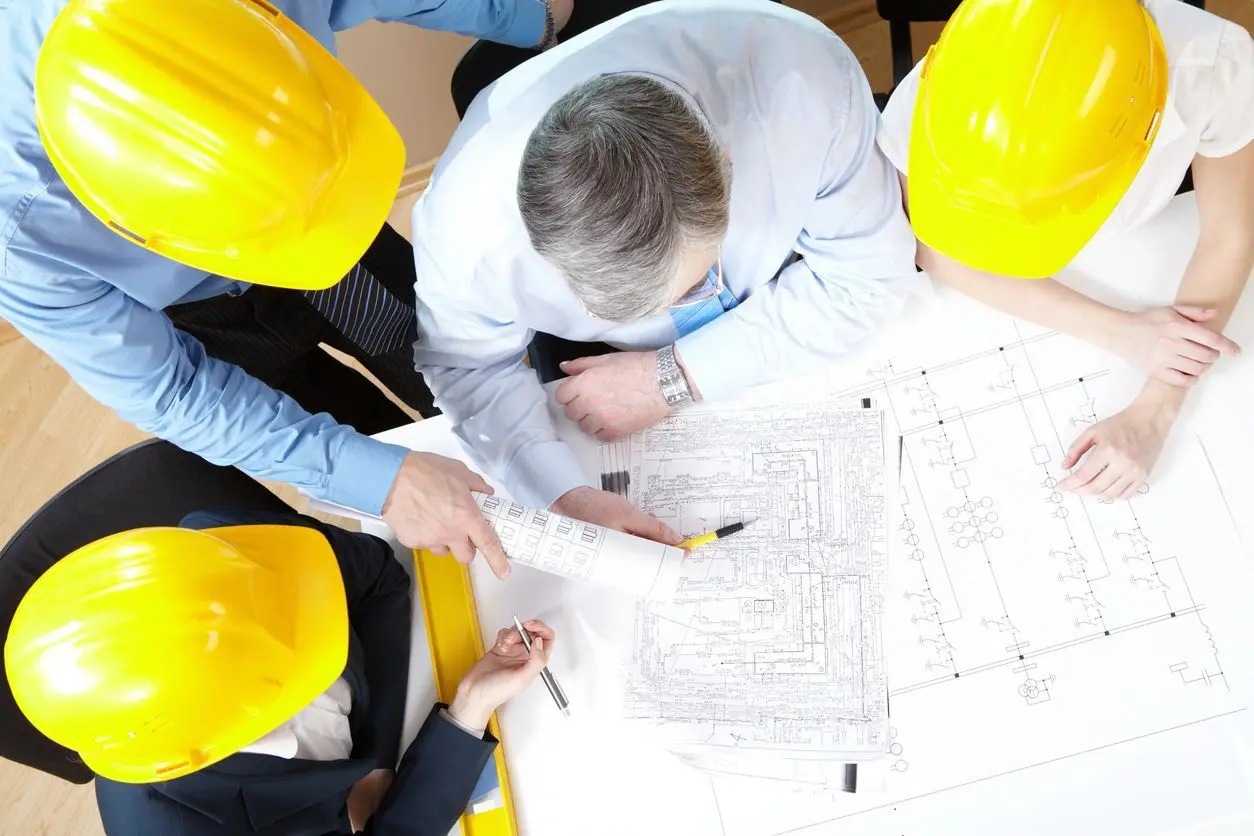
(513, 22)
(132, 359)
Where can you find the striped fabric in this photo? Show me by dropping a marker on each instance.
(365, 312)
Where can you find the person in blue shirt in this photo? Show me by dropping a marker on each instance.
(155, 317)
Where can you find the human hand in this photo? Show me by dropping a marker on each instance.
(366, 796)
(613, 395)
(503, 673)
(1172, 344)
(562, 10)
(610, 510)
(1120, 451)
(430, 507)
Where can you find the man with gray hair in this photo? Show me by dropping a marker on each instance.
(695, 183)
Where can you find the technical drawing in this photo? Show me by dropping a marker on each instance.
(576, 549)
(772, 644)
(1013, 610)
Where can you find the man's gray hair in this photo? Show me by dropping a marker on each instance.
(618, 180)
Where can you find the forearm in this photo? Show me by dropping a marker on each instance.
(1042, 301)
(1220, 267)
(1215, 279)
(514, 22)
(220, 412)
(433, 784)
(1217, 275)
(131, 359)
(500, 412)
(788, 327)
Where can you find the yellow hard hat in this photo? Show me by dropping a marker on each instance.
(219, 134)
(1033, 117)
(160, 651)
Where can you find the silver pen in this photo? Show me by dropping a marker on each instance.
(550, 681)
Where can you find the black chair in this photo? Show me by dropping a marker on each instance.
(900, 14)
(151, 484)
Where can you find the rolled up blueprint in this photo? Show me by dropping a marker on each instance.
(575, 549)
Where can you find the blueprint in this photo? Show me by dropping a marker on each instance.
(576, 549)
(1027, 629)
(772, 645)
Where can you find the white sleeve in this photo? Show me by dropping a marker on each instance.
(894, 132)
(1231, 96)
(856, 270)
(471, 350)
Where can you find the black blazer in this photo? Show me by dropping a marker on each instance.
(261, 794)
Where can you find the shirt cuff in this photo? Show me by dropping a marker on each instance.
(527, 28)
(363, 473)
(476, 733)
(542, 472)
(707, 364)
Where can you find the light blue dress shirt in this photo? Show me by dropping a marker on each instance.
(93, 300)
(787, 99)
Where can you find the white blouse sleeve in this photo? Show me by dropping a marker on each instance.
(1230, 101)
(893, 136)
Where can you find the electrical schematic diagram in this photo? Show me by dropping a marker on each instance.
(773, 643)
(1025, 625)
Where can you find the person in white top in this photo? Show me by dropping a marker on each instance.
(650, 184)
(1035, 126)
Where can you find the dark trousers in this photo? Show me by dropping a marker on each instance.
(274, 335)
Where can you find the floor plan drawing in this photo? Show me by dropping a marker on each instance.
(576, 549)
(1060, 626)
(773, 643)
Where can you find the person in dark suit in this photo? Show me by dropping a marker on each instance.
(270, 656)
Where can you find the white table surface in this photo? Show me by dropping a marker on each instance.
(588, 776)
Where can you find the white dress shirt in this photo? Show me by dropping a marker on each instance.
(1210, 107)
(787, 99)
(320, 732)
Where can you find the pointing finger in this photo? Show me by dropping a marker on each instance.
(489, 546)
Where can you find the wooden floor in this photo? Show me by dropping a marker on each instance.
(51, 431)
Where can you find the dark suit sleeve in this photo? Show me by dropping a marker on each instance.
(378, 608)
(434, 782)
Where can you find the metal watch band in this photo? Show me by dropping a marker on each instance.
(670, 378)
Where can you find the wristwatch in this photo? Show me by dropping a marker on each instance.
(670, 378)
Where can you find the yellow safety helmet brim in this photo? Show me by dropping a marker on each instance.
(1033, 118)
(258, 157)
(158, 652)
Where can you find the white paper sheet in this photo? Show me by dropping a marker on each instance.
(576, 549)
(570, 548)
(771, 646)
(1026, 629)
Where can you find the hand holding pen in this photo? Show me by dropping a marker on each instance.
(550, 681)
(703, 539)
(504, 672)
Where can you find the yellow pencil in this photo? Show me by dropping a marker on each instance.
(704, 539)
